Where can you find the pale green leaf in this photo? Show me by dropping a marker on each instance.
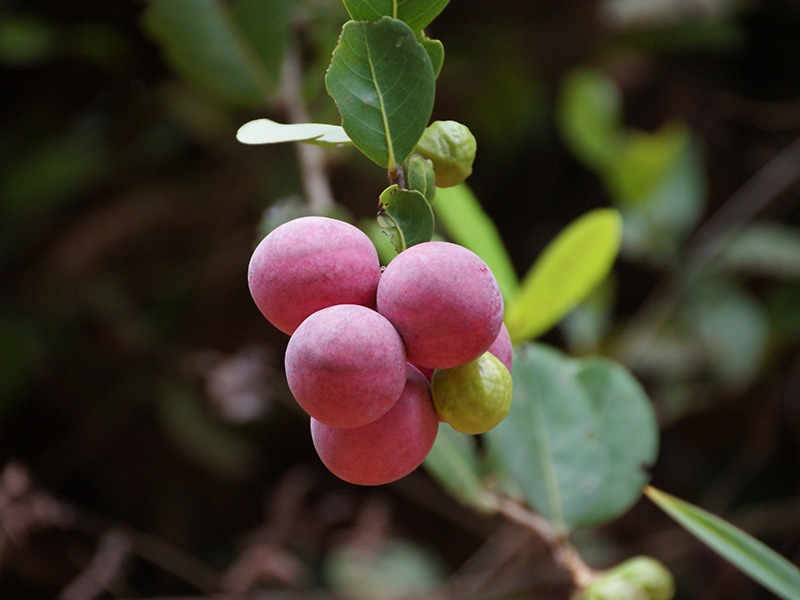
(570, 267)
(747, 553)
(266, 131)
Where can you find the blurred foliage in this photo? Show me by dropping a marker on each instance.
(128, 211)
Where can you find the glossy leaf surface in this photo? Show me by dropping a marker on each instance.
(382, 81)
(266, 131)
(405, 216)
(417, 14)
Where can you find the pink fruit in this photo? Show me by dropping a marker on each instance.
(346, 365)
(310, 263)
(388, 448)
(502, 347)
(444, 301)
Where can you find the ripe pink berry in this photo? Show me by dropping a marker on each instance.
(310, 263)
(346, 365)
(387, 449)
(502, 347)
(444, 301)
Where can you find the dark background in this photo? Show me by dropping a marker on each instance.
(130, 350)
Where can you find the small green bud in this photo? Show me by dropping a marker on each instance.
(648, 574)
(451, 147)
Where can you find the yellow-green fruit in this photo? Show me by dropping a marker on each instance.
(612, 589)
(649, 574)
(451, 147)
(474, 397)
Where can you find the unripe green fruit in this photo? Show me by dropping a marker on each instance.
(451, 147)
(612, 588)
(474, 397)
(648, 574)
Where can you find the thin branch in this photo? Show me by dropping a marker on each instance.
(316, 184)
(564, 553)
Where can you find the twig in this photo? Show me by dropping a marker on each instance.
(564, 553)
(104, 571)
(316, 185)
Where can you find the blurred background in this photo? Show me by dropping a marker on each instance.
(148, 444)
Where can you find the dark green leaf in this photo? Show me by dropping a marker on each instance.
(406, 217)
(771, 249)
(417, 14)
(567, 270)
(747, 553)
(578, 438)
(205, 41)
(453, 462)
(382, 81)
(467, 224)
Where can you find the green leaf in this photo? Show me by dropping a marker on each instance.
(747, 553)
(382, 81)
(643, 161)
(578, 437)
(266, 131)
(232, 51)
(568, 269)
(417, 14)
(467, 224)
(420, 176)
(771, 249)
(406, 217)
(658, 226)
(589, 115)
(435, 50)
(453, 462)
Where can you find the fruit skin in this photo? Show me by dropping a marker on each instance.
(451, 148)
(311, 263)
(648, 574)
(346, 365)
(444, 301)
(502, 347)
(388, 448)
(475, 397)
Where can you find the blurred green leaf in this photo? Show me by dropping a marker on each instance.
(467, 224)
(266, 131)
(453, 462)
(770, 249)
(589, 115)
(385, 569)
(657, 227)
(406, 217)
(578, 438)
(642, 162)
(417, 14)
(732, 329)
(51, 173)
(747, 553)
(382, 81)
(200, 437)
(230, 50)
(570, 267)
(26, 40)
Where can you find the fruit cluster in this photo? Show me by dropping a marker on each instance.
(378, 357)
